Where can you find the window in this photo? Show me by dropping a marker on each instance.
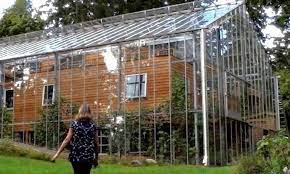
(9, 98)
(136, 85)
(33, 66)
(71, 62)
(48, 95)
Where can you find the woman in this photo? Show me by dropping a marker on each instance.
(83, 139)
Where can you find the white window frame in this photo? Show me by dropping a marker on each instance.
(145, 90)
(5, 91)
(43, 94)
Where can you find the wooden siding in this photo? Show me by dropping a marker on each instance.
(96, 85)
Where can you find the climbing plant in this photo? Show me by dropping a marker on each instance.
(7, 119)
(51, 128)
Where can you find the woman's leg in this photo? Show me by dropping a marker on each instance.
(82, 168)
(76, 168)
(86, 168)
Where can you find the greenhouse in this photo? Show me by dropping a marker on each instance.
(189, 83)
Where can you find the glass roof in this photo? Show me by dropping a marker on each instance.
(94, 35)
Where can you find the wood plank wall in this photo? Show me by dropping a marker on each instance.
(96, 85)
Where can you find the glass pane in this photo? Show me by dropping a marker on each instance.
(133, 79)
(9, 95)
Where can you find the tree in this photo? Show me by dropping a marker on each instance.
(18, 19)
(257, 11)
(281, 52)
(23, 6)
(70, 12)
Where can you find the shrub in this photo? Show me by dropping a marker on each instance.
(7, 119)
(9, 148)
(250, 165)
(275, 152)
(272, 155)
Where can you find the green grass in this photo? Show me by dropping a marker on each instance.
(18, 165)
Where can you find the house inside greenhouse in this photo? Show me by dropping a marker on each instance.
(189, 83)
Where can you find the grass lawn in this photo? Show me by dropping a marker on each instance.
(14, 165)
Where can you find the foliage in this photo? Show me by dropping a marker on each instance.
(9, 148)
(7, 119)
(177, 105)
(280, 53)
(284, 82)
(47, 128)
(18, 19)
(117, 126)
(250, 165)
(71, 12)
(178, 92)
(272, 156)
(23, 6)
(257, 12)
(275, 149)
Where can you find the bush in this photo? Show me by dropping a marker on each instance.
(271, 157)
(8, 148)
(7, 119)
(275, 152)
(250, 165)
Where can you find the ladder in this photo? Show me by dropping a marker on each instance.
(283, 119)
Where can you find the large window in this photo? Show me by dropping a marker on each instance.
(9, 98)
(75, 61)
(33, 66)
(136, 85)
(48, 95)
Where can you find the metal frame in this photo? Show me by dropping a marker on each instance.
(227, 44)
(204, 98)
(97, 35)
(277, 109)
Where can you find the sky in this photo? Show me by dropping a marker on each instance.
(4, 4)
(270, 31)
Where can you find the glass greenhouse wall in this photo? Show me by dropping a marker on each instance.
(181, 84)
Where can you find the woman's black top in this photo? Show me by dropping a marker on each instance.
(82, 145)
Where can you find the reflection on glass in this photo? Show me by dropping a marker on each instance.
(110, 55)
(9, 97)
(48, 95)
(136, 86)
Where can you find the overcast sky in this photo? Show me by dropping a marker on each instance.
(4, 4)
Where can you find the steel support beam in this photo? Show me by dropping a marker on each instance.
(204, 97)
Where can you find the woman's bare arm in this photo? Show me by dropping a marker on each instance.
(64, 143)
